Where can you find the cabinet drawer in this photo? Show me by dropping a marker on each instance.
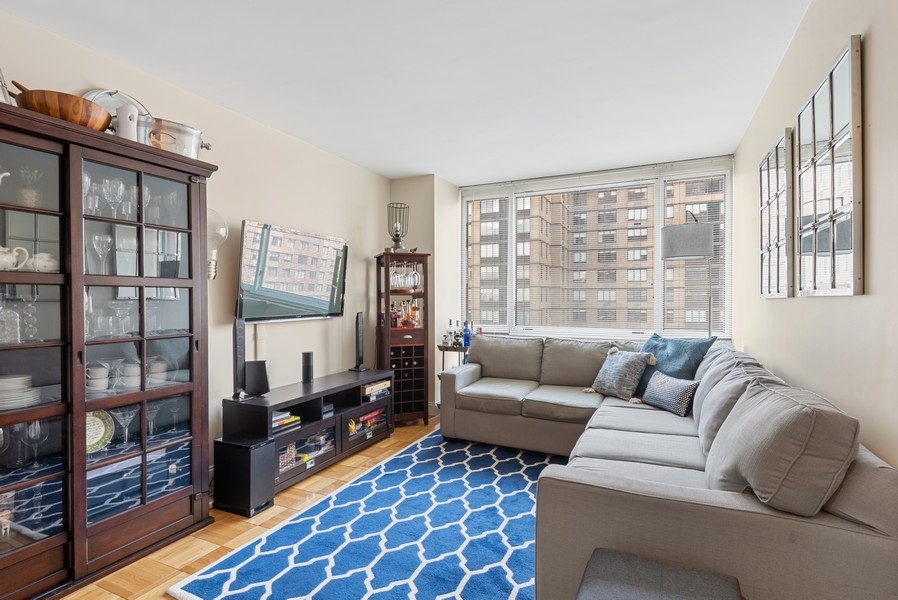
(400, 337)
(366, 422)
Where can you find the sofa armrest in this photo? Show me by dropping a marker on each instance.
(452, 380)
(772, 553)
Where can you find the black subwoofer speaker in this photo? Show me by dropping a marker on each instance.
(244, 475)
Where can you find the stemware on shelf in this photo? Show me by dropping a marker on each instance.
(10, 326)
(113, 194)
(122, 310)
(152, 410)
(123, 416)
(36, 433)
(29, 312)
(112, 365)
(102, 243)
(18, 429)
(174, 405)
(4, 438)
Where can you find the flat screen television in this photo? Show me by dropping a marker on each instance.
(290, 274)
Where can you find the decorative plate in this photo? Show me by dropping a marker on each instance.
(100, 429)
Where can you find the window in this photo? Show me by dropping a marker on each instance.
(489, 250)
(599, 274)
(637, 214)
(488, 273)
(489, 228)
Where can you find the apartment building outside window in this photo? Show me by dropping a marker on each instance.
(596, 271)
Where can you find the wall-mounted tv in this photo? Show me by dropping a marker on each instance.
(290, 274)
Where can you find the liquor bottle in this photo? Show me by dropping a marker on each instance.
(456, 334)
(416, 314)
(466, 335)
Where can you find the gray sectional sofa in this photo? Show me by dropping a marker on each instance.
(762, 481)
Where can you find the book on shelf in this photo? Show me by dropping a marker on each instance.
(381, 393)
(370, 388)
(284, 421)
(327, 410)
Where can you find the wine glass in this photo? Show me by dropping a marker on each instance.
(4, 439)
(113, 194)
(18, 429)
(174, 405)
(112, 365)
(36, 433)
(153, 409)
(102, 243)
(124, 415)
(122, 310)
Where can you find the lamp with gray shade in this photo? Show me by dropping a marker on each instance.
(690, 241)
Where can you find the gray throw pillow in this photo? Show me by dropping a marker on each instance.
(671, 394)
(790, 446)
(620, 373)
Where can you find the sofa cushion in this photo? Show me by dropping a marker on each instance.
(719, 368)
(560, 403)
(723, 397)
(620, 373)
(789, 445)
(642, 471)
(717, 349)
(507, 357)
(670, 394)
(494, 395)
(652, 420)
(572, 362)
(636, 446)
(674, 357)
(867, 482)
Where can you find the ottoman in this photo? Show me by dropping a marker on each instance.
(613, 575)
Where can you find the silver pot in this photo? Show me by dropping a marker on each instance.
(169, 135)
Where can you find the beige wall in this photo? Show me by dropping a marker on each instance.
(842, 348)
(263, 175)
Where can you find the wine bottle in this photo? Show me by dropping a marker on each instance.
(466, 335)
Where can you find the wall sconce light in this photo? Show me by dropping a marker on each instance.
(397, 225)
(690, 241)
(216, 234)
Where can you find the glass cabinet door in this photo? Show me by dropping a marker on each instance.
(138, 338)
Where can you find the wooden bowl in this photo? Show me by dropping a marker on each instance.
(68, 107)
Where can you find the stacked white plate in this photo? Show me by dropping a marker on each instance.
(16, 392)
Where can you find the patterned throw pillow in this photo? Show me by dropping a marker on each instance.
(670, 394)
(620, 373)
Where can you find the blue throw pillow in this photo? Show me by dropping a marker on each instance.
(670, 394)
(675, 357)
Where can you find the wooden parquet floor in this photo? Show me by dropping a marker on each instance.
(149, 577)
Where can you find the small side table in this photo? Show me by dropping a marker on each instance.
(463, 350)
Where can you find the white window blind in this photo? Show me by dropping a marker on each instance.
(593, 235)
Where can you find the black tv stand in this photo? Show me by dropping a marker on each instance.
(335, 418)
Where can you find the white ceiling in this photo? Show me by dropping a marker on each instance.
(474, 91)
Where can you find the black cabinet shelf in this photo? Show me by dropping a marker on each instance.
(320, 438)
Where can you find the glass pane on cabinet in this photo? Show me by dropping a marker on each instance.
(39, 313)
(33, 180)
(173, 418)
(110, 249)
(165, 254)
(168, 311)
(31, 240)
(30, 449)
(168, 469)
(165, 202)
(110, 312)
(30, 514)
(109, 192)
(112, 432)
(168, 361)
(112, 369)
(112, 489)
(29, 377)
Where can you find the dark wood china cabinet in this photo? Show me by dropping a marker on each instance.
(103, 360)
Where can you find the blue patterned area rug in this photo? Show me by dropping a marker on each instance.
(438, 520)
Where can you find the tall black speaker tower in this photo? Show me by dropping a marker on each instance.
(359, 343)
